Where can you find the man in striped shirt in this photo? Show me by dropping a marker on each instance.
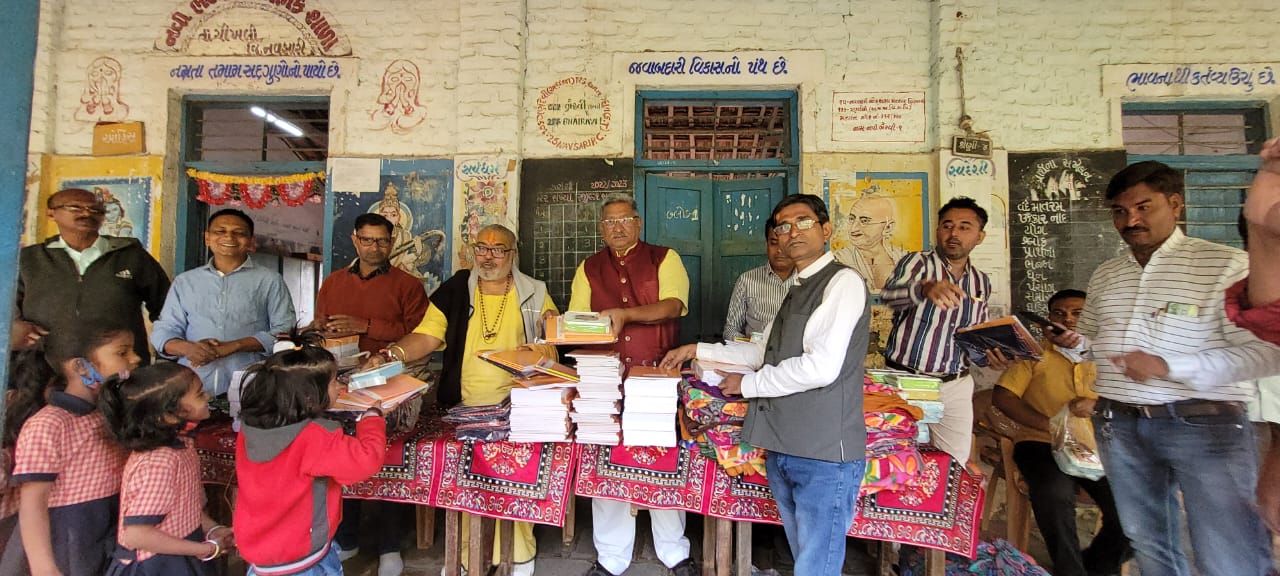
(1172, 382)
(932, 295)
(759, 291)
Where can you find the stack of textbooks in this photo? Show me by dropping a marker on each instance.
(596, 409)
(541, 414)
(650, 400)
(923, 392)
(488, 423)
(578, 328)
(394, 392)
(1007, 334)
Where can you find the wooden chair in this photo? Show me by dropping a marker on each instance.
(1001, 433)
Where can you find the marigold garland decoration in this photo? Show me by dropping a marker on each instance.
(258, 191)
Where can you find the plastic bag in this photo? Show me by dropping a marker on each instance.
(1074, 448)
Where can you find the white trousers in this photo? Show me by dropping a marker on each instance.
(613, 529)
(954, 434)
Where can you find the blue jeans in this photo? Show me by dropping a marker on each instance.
(330, 565)
(1212, 461)
(815, 499)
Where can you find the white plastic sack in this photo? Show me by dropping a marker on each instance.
(1074, 448)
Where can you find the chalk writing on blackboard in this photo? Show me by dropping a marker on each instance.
(1060, 228)
(559, 213)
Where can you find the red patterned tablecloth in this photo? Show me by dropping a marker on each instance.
(531, 482)
(653, 477)
(942, 511)
(506, 480)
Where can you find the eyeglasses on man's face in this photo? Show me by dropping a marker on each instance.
(79, 209)
(618, 222)
(786, 227)
(369, 242)
(496, 251)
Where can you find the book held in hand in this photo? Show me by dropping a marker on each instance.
(558, 331)
(1007, 334)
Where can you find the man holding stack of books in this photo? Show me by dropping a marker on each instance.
(491, 307)
(932, 295)
(643, 290)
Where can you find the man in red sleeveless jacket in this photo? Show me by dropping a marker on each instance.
(644, 289)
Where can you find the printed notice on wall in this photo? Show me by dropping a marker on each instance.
(877, 117)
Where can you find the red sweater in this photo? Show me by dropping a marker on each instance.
(391, 300)
(290, 479)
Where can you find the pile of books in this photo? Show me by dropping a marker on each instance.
(1007, 334)
(488, 423)
(578, 328)
(596, 409)
(397, 389)
(650, 400)
(923, 392)
(541, 413)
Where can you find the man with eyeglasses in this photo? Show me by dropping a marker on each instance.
(805, 398)
(644, 289)
(493, 306)
(1030, 393)
(933, 294)
(869, 252)
(81, 277)
(380, 303)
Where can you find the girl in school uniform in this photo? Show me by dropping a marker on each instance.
(67, 463)
(290, 461)
(163, 529)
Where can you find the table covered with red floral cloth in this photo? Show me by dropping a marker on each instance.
(942, 510)
(504, 480)
(647, 476)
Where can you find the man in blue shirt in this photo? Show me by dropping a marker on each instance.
(223, 316)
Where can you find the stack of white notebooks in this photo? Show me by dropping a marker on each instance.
(541, 415)
(651, 398)
(596, 409)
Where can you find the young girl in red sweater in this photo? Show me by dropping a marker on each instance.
(66, 461)
(163, 529)
(291, 463)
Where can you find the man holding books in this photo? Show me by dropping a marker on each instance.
(1173, 377)
(759, 291)
(380, 303)
(933, 294)
(1030, 393)
(644, 290)
(805, 397)
(491, 307)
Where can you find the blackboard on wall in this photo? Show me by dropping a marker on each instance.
(1059, 222)
(559, 215)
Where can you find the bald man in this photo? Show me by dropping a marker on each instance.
(80, 276)
(870, 221)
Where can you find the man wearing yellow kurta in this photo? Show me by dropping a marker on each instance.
(493, 307)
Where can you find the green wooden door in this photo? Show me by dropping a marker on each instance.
(717, 227)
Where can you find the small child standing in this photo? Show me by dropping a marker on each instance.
(66, 461)
(163, 528)
(290, 461)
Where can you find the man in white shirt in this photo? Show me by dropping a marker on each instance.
(1173, 377)
(805, 399)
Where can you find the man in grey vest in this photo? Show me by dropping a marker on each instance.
(806, 395)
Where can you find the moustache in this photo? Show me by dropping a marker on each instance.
(1133, 229)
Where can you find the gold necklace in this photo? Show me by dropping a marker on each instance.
(491, 334)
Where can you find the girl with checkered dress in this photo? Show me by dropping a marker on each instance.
(163, 529)
(291, 462)
(67, 463)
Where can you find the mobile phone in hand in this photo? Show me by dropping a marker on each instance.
(1043, 322)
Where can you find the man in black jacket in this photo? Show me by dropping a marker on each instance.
(80, 276)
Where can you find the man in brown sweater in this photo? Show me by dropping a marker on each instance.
(381, 303)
